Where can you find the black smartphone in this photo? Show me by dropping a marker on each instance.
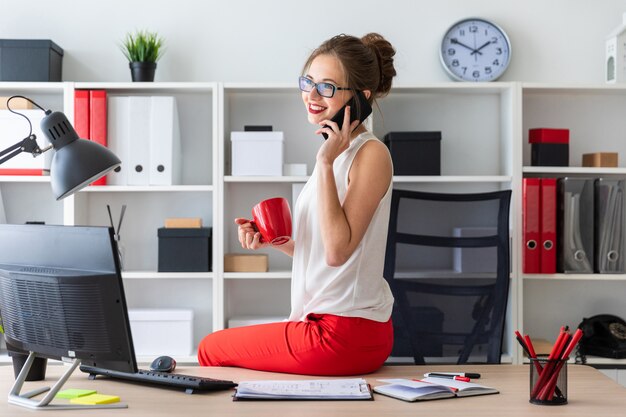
(358, 111)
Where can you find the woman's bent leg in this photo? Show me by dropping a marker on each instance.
(321, 345)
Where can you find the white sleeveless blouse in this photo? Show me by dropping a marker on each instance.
(356, 288)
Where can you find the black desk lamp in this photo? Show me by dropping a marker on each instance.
(76, 162)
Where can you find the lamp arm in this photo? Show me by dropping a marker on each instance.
(28, 144)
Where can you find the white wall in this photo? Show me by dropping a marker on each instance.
(268, 40)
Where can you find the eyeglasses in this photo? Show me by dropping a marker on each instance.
(323, 89)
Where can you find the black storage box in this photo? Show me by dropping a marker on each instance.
(184, 250)
(415, 153)
(549, 154)
(30, 60)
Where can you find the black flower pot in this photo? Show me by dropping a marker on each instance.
(37, 370)
(142, 71)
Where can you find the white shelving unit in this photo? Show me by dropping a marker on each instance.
(594, 116)
(484, 148)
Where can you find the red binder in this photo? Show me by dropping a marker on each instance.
(81, 113)
(531, 225)
(548, 226)
(98, 122)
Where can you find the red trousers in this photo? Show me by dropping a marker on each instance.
(323, 344)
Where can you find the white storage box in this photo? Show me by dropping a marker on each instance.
(250, 320)
(162, 331)
(257, 153)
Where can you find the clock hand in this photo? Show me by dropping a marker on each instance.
(477, 50)
(456, 41)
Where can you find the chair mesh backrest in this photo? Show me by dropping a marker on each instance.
(447, 263)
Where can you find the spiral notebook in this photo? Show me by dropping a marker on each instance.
(309, 389)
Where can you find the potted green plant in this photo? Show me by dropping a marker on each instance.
(143, 49)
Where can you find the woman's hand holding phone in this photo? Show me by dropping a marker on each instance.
(338, 137)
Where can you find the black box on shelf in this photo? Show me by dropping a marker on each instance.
(185, 249)
(415, 153)
(30, 60)
(549, 154)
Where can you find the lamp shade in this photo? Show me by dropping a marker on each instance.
(76, 162)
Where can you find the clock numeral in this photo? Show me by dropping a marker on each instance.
(464, 70)
(486, 32)
(455, 63)
(494, 40)
(496, 62)
(488, 70)
(473, 29)
(476, 74)
(461, 32)
(451, 51)
(498, 51)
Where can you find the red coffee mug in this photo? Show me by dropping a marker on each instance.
(272, 218)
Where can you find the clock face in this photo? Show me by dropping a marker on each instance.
(475, 50)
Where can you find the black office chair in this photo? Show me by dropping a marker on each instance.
(447, 263)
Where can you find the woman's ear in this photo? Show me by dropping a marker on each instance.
(367, 93)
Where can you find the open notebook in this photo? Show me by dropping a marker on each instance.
(430, 389)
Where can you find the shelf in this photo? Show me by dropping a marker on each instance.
(574, 89)
(442, 273)
(285, 179)
(453, 88)
(258, 275)
(451, 178)
(147, 188)
(162, 87)
(574, 277)
(166, 275)
(33, 87)
(574, 170)
(24, 178)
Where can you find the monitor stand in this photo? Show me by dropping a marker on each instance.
(25, 400)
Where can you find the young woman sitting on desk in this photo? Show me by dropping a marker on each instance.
(340, 303)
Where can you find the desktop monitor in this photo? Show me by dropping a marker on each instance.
(62, 297)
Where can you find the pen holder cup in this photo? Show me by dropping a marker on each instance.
(548, 381)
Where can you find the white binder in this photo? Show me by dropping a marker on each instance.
(13, 129)
(119, 137)
(3, 215)
(165, 168)
(139, 140)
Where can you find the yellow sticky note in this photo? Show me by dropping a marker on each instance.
(96, 399)
(74, 393)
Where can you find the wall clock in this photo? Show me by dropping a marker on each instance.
(475, 49)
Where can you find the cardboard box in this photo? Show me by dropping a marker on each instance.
(600, 159)
(257, 153)
(415, 153)
(30, 60)
(252, 320)
(183, 222)
(236, 262)
(184, 250)
(161, 331)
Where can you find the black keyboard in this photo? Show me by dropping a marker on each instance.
(188, 382)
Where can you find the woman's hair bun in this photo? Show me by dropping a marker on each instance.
(384, 52)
